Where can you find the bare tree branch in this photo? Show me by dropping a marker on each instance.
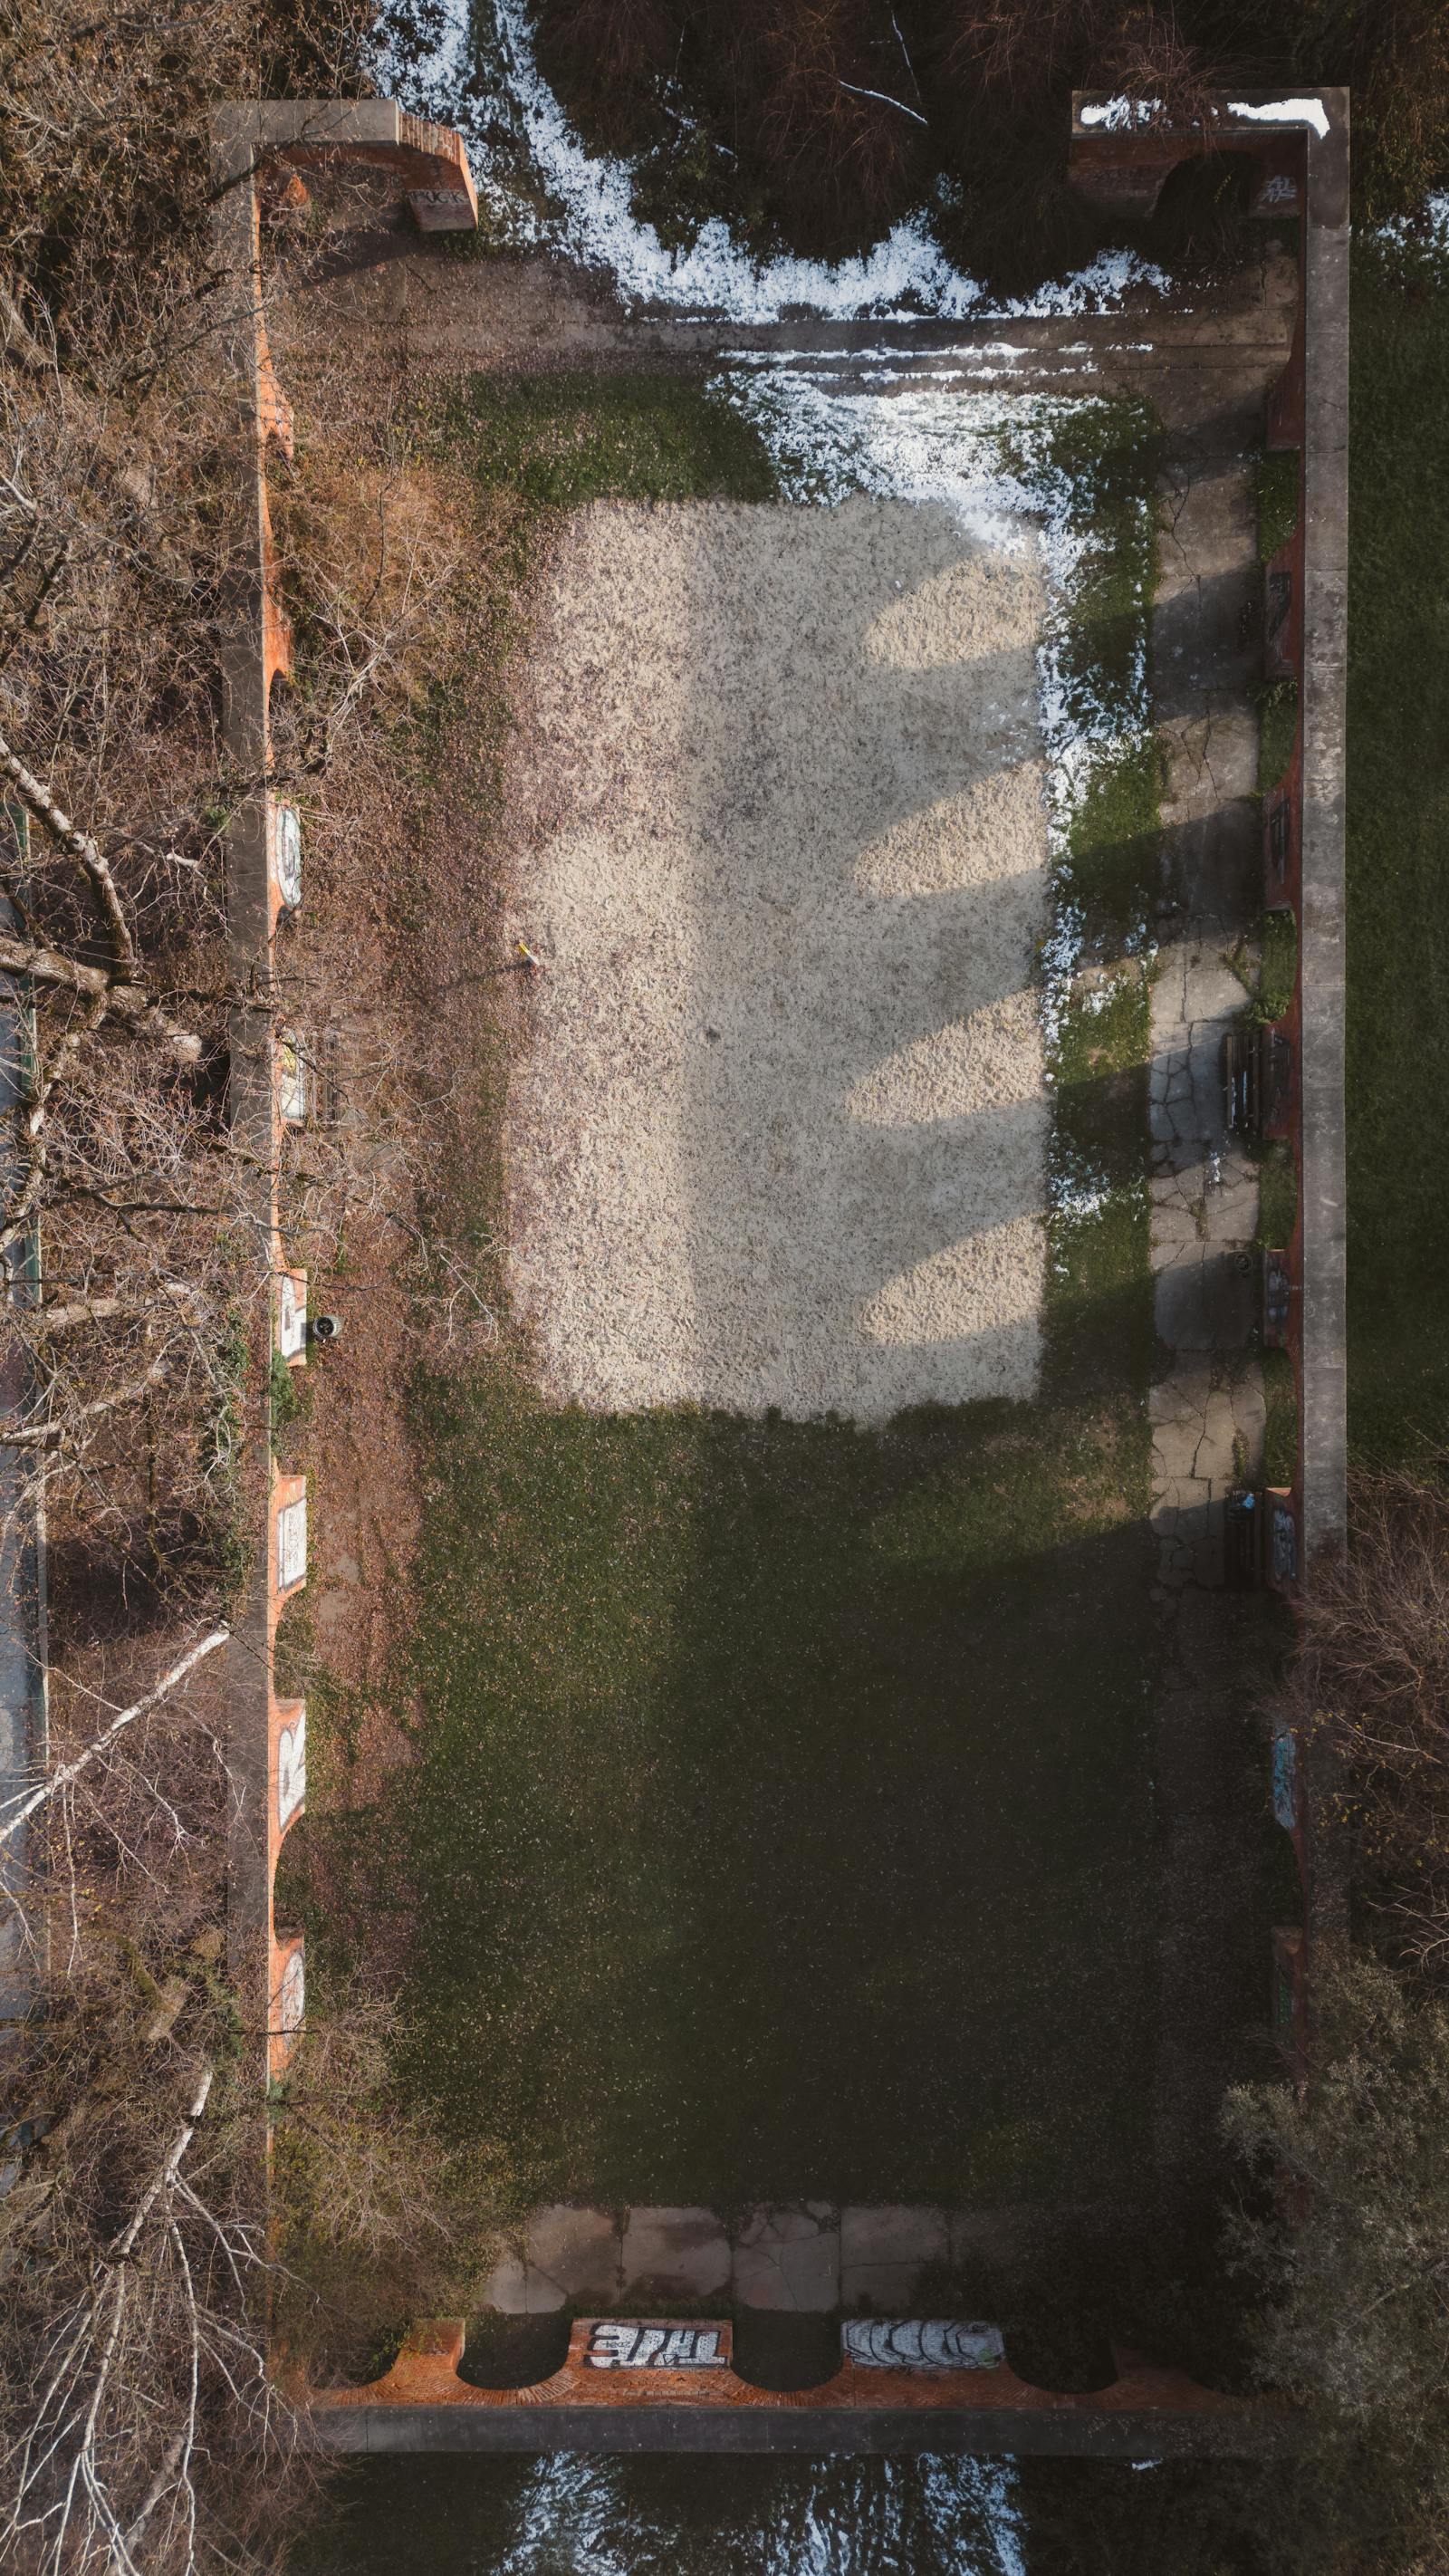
(59, 1780)
(36, 797)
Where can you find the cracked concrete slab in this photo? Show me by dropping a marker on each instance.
(575, 2252)
(674, 2253)
(788, 2257)
(884, 2251)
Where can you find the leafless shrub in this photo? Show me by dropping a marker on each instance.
(1007, 50)
(835, 138)
(1372, 1682)
(382, 2218)
(613, 45)
(1150, 59)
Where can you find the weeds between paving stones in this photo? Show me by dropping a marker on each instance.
(774, 1779)
(1277, 477)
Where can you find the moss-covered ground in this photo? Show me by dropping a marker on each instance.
(781, 1815)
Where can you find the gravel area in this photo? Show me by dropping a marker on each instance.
(777, 1128)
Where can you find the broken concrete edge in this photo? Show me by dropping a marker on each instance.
(1304, 153)
(423, 2403)
(266, 1737)
(300, 133)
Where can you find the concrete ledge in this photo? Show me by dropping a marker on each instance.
(804, 2427)
(902, 2404)
(301, 133)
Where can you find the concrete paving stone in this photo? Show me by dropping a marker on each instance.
(1180, 1307)
(1174, 1232)
(1213, 1460)
(1175, 1488)
(991, 2237)
(1180, 1398)
(1230, 1215)
(574, 2251)
(1209, 1305)
(788, 2257)
(674, 2253)
(506, 2288)
(883, 2252)
(1250, 1409)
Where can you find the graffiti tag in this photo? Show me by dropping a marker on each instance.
(615, 2346)
(291, 1770)
(922, 2343)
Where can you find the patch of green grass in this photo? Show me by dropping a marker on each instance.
(1277, 730)
(1398, 887)
(1099, 1283)
(783, 1798)
(560, 441)
(1280, 1432)
(1277, 1198)
(1277, 493)
(1099, 1291)
(1114, 844)
(290, 1403)
(1278, 966)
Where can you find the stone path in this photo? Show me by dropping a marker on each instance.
(1207, 1407)
(809, 2257)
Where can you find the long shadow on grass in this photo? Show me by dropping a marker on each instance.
(782, 1817)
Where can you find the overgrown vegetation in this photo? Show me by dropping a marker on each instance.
(1277, 730)
(1278, 474)
(139, 2423)
(1277, 1198)
(819, 122)
(1345, 2248)
(1100, 1293)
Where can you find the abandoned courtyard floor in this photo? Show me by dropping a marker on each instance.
(832, 1830)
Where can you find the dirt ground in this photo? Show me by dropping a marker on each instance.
(779, 1138)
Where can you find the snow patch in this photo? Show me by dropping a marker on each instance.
(1426, 232)
(1284, 111)
(1116, 115)
(905, 276)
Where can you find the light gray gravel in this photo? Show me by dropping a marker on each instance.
(776, 1133)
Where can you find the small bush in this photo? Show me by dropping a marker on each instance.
(1277, 1198)
(1277, 489)
(1277, 731)
(1347, 2238)
(1280, 1428)
(1277, 967)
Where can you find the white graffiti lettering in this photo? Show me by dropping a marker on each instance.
(922, 2343)
(291, 1770)
(615, 2346)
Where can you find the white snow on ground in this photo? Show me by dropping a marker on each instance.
(905, 276)
(1283, 111)
(1423, 236)
(1115, 115)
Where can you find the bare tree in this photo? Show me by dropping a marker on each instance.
(1372, 1681)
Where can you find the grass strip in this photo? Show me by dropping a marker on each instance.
(1277, 476)
(1397, 1086)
